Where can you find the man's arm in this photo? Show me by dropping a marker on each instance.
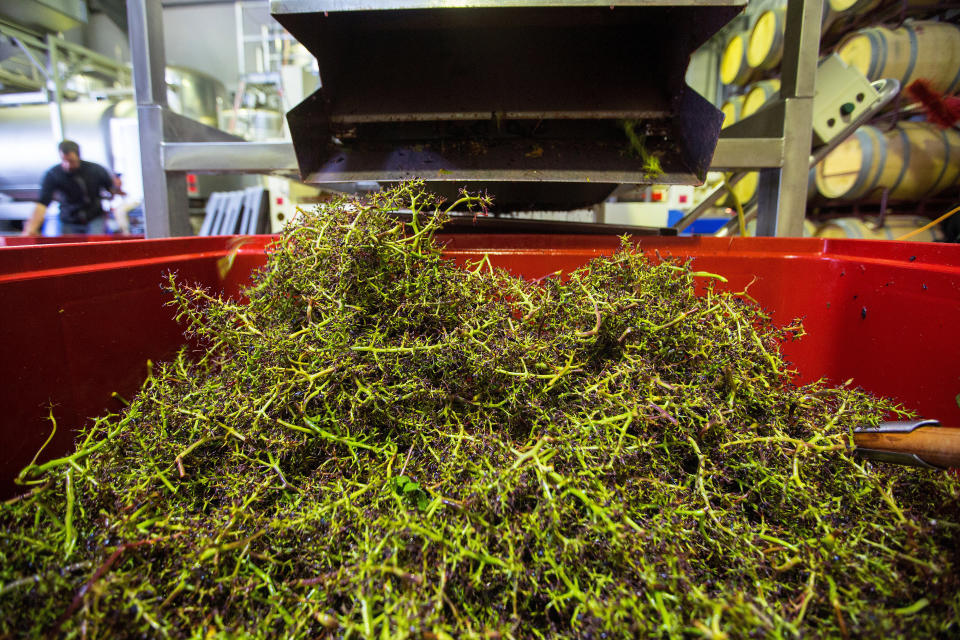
(111, 183)
(33, 226)
(117, 188)
(35, 223)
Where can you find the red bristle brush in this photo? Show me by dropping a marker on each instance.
(941, 110)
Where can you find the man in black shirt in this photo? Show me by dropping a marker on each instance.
(78, 186)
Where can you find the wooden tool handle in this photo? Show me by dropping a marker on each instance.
(938, 446)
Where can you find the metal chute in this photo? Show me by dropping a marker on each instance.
(578, 94)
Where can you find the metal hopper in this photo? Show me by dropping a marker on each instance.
(505, 94)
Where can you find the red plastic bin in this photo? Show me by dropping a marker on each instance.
(81, 320)
(22, 241)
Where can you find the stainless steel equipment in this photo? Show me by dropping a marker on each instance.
(580, 94)
(26, 128)
(30, 146)
(45, 15)
(99, 128)
(195, 94)
(779, 145)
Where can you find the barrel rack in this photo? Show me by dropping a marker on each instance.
(775, 140)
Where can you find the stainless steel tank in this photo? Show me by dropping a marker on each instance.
(195, 94)
(26, 134)
(259, 124)
(27, 140)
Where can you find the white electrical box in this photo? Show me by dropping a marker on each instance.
(842, 94)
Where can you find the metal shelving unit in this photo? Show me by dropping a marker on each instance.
(775, 140)
(166, 211)
(52, 61)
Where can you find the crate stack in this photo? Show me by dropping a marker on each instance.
(900, 161)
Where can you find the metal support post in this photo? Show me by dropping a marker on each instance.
(165, 206)
(241, 43)
(164, 194)
(54, 88)
(782, 193)
(782, 196)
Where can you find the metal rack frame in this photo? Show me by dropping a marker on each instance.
(775, 140)
(45, 55)
(888, 89)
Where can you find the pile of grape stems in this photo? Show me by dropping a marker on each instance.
(378, 443)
